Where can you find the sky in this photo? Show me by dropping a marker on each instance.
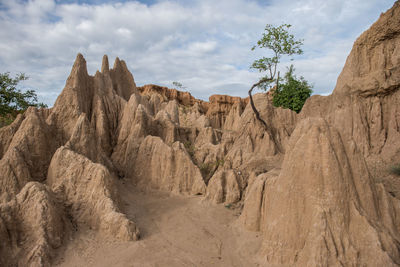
(203, 44)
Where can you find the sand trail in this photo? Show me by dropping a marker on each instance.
(175, 231)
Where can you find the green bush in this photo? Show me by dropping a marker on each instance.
(7, 119)
(12, 100)
(293, 92)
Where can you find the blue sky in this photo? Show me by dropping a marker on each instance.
(204, 44)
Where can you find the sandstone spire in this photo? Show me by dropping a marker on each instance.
(79, 72)
(123, 81)
(104, 66)
(321, 200)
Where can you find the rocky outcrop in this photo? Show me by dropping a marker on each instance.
(224, 188)
(167, 168)
(166, 94)
(249, 150)
(7, 133)
(216, 110)
(315, 184)
(372, 68)
(220, 106)
(364, 104)
(32, 227)
(87, 190)
(83, 141)
(323, 209)
(85, 119)
(101, 97)
(28, 153)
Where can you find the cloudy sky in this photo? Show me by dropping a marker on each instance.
(203, 44)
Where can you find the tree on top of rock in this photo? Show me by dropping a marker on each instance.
(179, 86)
(293, 92)
(281, 42)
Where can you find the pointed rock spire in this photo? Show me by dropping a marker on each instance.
(120, 65)
(123, 82)
(79, 71)
(105, 66)
(117, 63)
(80, 63)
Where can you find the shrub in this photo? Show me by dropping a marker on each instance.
(12, 100)
(293, 93)
(395, 169)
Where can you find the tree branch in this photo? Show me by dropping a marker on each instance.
(270, 70)
(277, 82)
(276, 56)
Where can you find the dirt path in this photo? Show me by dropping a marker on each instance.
(175, 231)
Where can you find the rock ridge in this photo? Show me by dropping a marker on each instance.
(316, 187)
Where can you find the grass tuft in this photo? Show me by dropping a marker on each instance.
(395, 169)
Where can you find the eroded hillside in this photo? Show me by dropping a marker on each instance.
(316, 186)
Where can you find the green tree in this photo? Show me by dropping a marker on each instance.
(13, 100)
(179, 86)
(293, 92)
(280, 42)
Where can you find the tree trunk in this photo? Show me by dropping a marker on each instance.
(254, 107)
(268, 130)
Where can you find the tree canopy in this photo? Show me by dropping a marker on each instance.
(12, 99)
(293, 92)
(280, 42)
(179, 86)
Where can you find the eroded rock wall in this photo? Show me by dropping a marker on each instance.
(308, 182)
(331, 202)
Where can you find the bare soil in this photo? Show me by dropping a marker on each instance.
(175, 231)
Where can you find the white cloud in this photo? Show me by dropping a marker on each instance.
(202, 47)
(205, 44)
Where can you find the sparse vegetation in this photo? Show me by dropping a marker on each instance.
(184, 109)
(8, 118)
(280, 42)
(12, 100)
(293, 93)
(208, 169)
(395, 169)
(219, 162)
(179, 86)
(190, 148)
(228, 206)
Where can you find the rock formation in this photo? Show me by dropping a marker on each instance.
(86, 188)
(67, 147)
(323, 209)
(332, 202)
(32, 226)
(364, 104)
(316, 184)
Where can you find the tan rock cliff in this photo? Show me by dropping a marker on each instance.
(315, 184)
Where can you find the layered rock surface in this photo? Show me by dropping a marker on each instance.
(332, 202)
(323, 209)
(315, 184)
(67, 147)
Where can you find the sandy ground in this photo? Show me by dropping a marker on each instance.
(175, 231)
